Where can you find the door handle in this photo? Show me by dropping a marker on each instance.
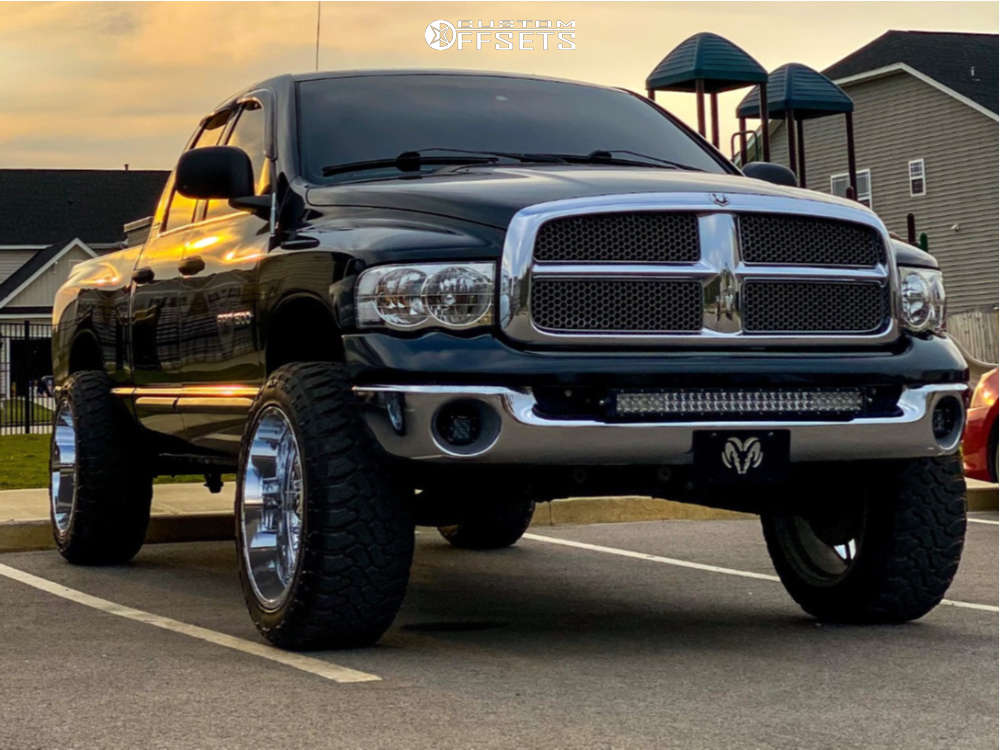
(191, 266)
(143, 275)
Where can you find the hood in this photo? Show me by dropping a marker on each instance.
(492, 195)
(909, 255)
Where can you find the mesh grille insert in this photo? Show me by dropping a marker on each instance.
(803, 240)
(814, 307)
(616, 305)
(623, 238)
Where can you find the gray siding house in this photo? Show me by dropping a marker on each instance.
(927, 143)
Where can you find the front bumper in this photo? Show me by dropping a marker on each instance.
(402, 418)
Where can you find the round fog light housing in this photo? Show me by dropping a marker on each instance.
(465, 427)
(946, 420)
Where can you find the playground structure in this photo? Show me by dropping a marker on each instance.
(707, 63)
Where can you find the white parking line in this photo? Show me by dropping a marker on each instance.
(983, 520)
(702, 566)
(308, 664)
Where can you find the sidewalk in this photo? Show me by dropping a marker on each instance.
(189, 512)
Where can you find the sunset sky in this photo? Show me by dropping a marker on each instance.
(99, 84)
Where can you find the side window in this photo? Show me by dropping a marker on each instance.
(181, 210)
(249, 134)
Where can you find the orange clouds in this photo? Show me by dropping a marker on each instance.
(99, 84)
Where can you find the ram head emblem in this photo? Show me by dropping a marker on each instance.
(742, 455)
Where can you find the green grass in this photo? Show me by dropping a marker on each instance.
(24, 461)
(12, 412)
(24, 464)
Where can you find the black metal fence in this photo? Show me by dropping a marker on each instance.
(26, 392)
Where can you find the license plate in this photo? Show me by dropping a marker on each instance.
(741, 456)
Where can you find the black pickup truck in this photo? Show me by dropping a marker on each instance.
(388, 298)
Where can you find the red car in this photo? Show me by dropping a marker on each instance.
(979, 445)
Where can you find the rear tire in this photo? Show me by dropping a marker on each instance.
(885, 554)
(492, 519)
(100, 483)
(314, 485)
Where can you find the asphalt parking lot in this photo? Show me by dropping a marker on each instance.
(657, 634)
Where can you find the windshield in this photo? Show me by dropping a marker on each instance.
(344, 121)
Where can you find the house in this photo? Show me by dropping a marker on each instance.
(925, 122)
(52, 219)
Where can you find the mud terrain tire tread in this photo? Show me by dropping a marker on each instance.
(357, 533)
(911, 547)
(114, 486)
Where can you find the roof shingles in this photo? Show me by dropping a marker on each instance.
(965, 63)
(44, 206)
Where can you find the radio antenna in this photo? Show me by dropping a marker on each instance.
(319, 6)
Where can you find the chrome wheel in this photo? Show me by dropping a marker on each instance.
(272, 507)
(62, 492)
(825, 546)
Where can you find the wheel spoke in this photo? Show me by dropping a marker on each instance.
(271, 507)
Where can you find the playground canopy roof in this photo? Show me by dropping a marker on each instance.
(797, 87)
(710, 58)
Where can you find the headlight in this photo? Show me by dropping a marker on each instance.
(922, 299)
(425, 295)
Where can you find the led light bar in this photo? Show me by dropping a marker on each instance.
(740, 402)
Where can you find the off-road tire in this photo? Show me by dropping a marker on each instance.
(907, 553)
(113, 483)
(491, 519)
(357, 533)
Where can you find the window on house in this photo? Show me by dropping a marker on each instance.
(840, 182)
(918, 181)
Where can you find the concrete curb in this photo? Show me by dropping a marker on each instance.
(23, 536)
(194, 526)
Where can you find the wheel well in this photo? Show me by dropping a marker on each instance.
(302, 330)
(85, 354)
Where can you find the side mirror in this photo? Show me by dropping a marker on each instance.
(220, 172)
(776, 173)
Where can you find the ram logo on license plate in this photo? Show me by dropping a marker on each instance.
(742, 455)
(727, 457)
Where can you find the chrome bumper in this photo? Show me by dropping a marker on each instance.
(524, 437)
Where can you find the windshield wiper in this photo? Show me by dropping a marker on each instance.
(516, 155)
(606, 156)
(408, 161)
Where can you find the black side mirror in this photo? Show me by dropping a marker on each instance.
(220, 172)
(776, 173)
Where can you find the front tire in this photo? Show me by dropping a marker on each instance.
(100, 483)
(883, 552)
(323, 532)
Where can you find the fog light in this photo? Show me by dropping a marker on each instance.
(465, 427)
(946, 420)
(459, 423)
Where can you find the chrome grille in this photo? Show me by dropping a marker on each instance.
(619, 305)
(696, 269)
(805, 240)
(814, 307)
(641, 237)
